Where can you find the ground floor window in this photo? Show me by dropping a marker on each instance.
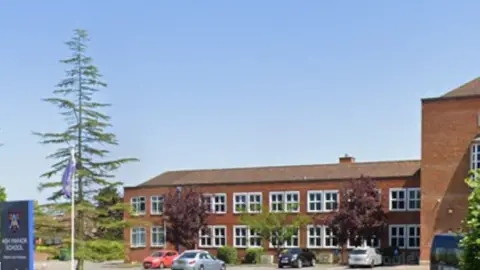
(314, 236)
(404, 236)
(213, 236)
(137, 237)
(157, 236)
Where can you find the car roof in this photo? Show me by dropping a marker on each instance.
(194, 250)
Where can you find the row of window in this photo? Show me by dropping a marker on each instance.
(401, 199)
(402, 236)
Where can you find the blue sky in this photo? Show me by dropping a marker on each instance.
(209, 84)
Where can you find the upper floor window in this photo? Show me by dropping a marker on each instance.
(138, 205)
(475, 156)
(156, 205)
(249, 202)
(215, 203)
(331, 200)
(288, 201)
(322, 201)
(403, 199)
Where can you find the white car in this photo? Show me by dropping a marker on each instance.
(364, 257)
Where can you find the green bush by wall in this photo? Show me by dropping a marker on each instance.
(254, 255)
(228, 254)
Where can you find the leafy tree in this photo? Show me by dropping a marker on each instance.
(3, 194)
(277, 228)
(185, 215)
(360, 216)
(86, 131)
(470, 243)
(110, 214)
(46, 226)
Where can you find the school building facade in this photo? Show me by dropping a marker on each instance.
(421, 197)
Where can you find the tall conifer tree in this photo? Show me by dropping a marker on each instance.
(87, 131)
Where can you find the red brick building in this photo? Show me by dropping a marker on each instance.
(421, 197)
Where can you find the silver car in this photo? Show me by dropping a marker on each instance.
(197, 260)
(364, 257)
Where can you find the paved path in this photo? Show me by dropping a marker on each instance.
(56, 265)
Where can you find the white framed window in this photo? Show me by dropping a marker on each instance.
(240, 203)
(330, 198)
(219, 235)
(240, 236)
(250, 202)
(255, 202)
(156, 205)
(314, 201)
(215, 203)
(292, 201)
(219, 203)
(157, 236)
(397, 235)
(276, 201)
(397, 199)
(405, 199)
(314, 236)
(137, 237)
(329, 239)
(138, 205)
(413, 236)
(254, 239)
(288, 201)
(475, 156)
(414, 199)
(293, 242)
(205, 237)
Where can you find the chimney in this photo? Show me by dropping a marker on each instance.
(346, 159)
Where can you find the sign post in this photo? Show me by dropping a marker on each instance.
(17, 235)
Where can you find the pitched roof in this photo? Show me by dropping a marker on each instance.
(336, 171)
(472, 88)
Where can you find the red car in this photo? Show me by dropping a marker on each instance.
(160, 259)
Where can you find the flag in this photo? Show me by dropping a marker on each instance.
(67, 178)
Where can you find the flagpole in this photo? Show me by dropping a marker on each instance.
(72, 217)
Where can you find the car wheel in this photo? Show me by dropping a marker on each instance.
(312, 263)
(222, 267)
(201, 267)
(162, 265)
(280, 266)
(299, 263)
(372, 264)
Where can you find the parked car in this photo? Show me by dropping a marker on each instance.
(445, 252)
(197, 260)
(160, 259)
(296, 257)
(365, 256)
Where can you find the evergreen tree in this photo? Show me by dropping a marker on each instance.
(86, 131)
(110, 215)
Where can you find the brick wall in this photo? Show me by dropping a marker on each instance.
(448, 128)
(229, 219)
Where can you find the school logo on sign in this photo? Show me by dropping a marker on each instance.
(14, 221)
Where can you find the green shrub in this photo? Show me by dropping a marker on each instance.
(254, 255)
(53, 251)
(105, 250)
(227, 254)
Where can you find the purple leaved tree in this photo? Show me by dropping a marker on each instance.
(360, 216)
(185, 215)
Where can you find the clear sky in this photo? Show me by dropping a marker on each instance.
(211, 84)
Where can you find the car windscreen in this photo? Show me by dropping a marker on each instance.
(292, 251)
(158, 254)
(358, 251)
(446, 249)
(188, 255)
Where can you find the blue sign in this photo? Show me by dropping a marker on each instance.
(16, 249)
